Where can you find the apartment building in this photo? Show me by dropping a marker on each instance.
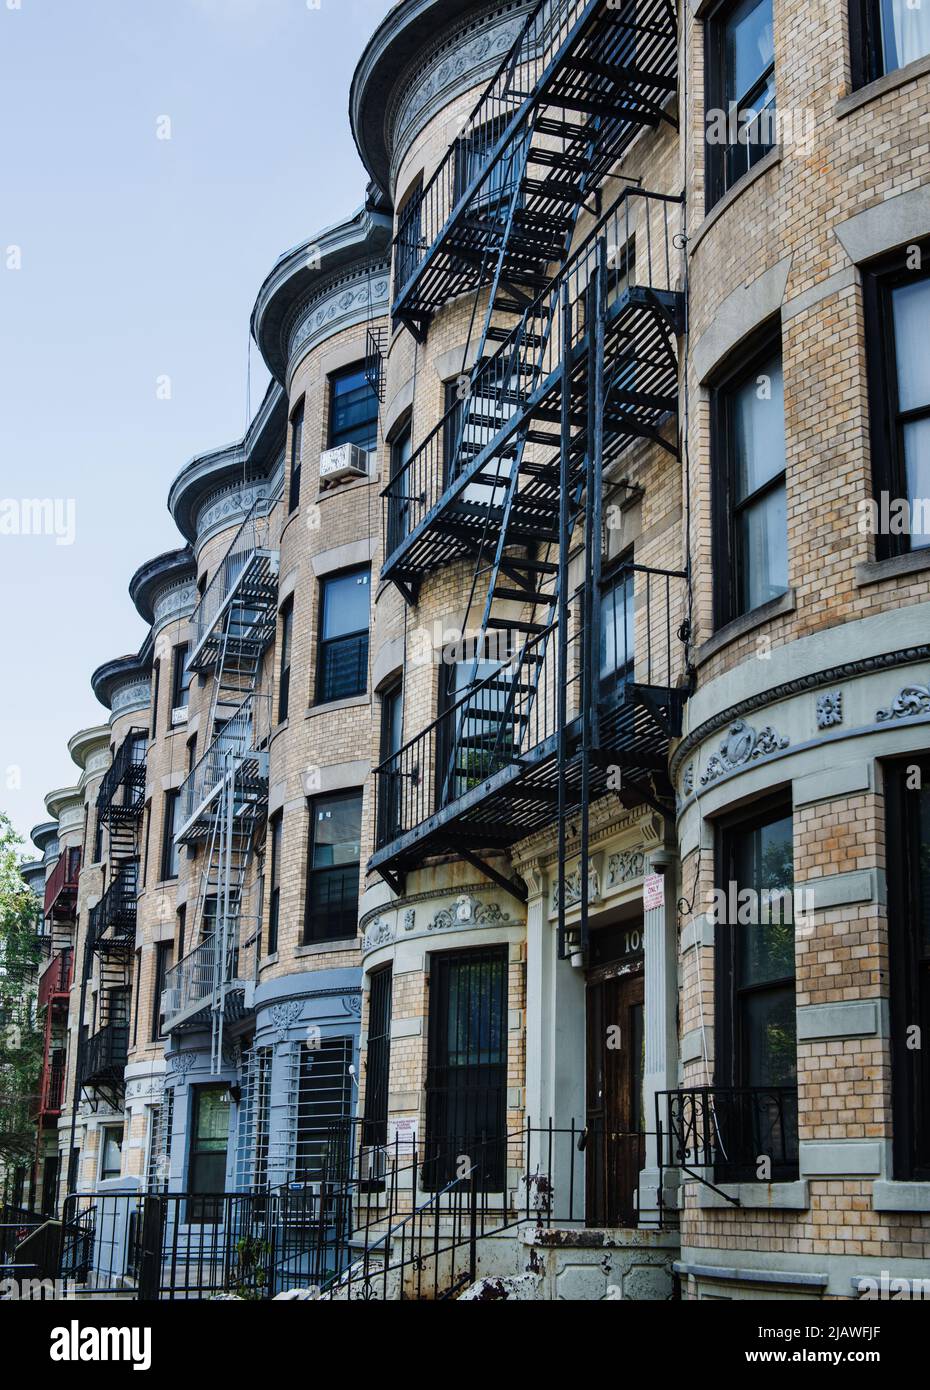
(530, 850)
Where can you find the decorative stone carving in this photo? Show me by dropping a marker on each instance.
(352, 1004)
(742, 745)
(283, 1015)
(468, 912)
(133, 694)
(228, 505)
(687, 781)
(829, 709)
(328, 309)
(182, 1062)
(629, 863)
(410, 918)
(175, 603)
(914, 699)
(573, 888)
(377, 933)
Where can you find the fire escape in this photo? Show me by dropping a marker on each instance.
(53, 996)
(224, 800)
(111, 928)
(576, 361)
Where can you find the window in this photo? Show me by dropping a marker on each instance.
(98, 840)
(353, 410)
(454, 444)
(467, 1064)
(409, 245)
(297, 440)
(333, 867)
(473, 154)
(897, 302)
(284, 680)
(886, 35)
(750, 503)
(618, 630)
(274, 901)
(399, 509)
(170, 854)
(378, 1061)
(323, 1101)
(475, 737)
(908, 844)
(156, 687)
(390, 786)
(740, 92)
(111, 1150)
(182, 929)
(756, 1039)
(210, 1131)
(163, 956)
(180, 684)
(343, 656)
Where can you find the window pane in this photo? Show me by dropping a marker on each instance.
(770, 1020)
(762, 550)
(922, 891)
(765, 862)
(905, 32)
(212, 1119)
(758, 428)
(337, 832)
(911, 318)
(617, 628)
(917, 464)
(750, 47)
(345, 605)
(353, 411)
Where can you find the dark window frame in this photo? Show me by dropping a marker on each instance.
(735, 372)
(880, 278)
(717, 176)
(181, 678)
(275, 846)
(910, 976)
(286, 646)
(315, 875)
(378, 1057)
(399, 510)
(867, 56)
(295, 454)
(325, 644)
(163, 954)
(170, 855)
(203, 1209)
(334, 437)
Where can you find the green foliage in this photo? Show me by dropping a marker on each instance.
(20, 1032)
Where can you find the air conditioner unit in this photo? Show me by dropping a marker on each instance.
(345, 461)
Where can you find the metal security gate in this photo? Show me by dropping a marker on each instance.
(467, 1070)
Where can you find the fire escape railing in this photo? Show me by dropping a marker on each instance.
(460, 460)
(55, 979)
(126, 774)
(61, 889)
(192, 983)
(462, 775)
(104, 1055)
(117, 908)
(239, 750)
(247, 573)
(478, 176)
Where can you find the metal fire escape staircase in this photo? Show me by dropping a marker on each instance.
(513, 475)
(224, 800)
(111, 930)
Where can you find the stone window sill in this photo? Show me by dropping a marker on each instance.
(912, 562)
(767, 162)
(900, 1196)
(746, 622)
(758, 1196)
(352, 702)
(320, 948)
(890, 82)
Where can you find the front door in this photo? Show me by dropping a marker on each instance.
(614, 1140)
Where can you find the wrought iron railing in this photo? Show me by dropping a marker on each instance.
(104, 1053)
(512, 716)
(238, 750)
(255, 543)
(737, 1133)
(118, 906)
(639, 231)
(61, 889)
(375, 346)
(53, 1084)
(56, 978)
(126, 773)
(209, 970)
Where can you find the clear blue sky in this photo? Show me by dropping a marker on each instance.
(140, 258)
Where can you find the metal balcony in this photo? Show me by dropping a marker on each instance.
(206, 977)
(236, 762)
(237, 612)
(582, 79)
(486, 773)
(104, 1055)
(55, 980)
(116, 911)
(61, 890)
(720, 1133)
(121, 798)
(451, 493)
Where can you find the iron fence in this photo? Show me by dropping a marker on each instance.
(732, 1133)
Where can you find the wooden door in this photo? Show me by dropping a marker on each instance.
(615, 1146)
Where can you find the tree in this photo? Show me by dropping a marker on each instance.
(20, 1034)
